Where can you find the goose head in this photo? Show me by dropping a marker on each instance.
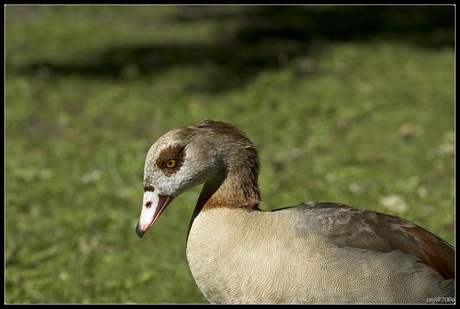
(211, 152)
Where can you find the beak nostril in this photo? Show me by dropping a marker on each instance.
(148, 204)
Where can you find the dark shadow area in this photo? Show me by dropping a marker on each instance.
(427, 26)
(267, 37)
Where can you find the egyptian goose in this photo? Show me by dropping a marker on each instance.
(310, 253)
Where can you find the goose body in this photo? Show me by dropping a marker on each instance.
(310, 253)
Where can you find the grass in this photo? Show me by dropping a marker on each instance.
(89, 89)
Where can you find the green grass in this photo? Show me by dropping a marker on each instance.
(349, 121)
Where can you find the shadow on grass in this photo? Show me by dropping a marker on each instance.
(266, 37)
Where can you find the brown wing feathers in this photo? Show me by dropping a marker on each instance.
(432, 250)
(385, 233)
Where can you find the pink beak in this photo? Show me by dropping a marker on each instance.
(154, 204)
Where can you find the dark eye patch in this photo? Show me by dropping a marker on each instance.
(175, 152)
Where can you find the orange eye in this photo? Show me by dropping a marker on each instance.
(171, 163)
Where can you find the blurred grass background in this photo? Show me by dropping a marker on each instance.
(345, 104)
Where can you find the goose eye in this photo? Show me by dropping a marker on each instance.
(170, 163)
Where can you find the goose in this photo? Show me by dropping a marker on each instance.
(322, 253)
